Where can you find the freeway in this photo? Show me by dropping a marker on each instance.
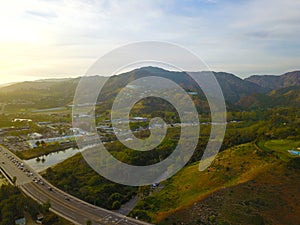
(63, 204)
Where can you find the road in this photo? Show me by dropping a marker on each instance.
(63, 204)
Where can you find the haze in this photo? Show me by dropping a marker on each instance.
(43, 39)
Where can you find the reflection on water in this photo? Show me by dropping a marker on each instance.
(45, 161)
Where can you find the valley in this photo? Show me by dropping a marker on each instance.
(249, 182)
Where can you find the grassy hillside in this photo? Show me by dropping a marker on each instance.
(38, 94)
(284, 97)
(240, 187)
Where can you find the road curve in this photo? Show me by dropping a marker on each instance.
(63, 204)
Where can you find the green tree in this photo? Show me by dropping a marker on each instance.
(46, 206)
(37, 143)
(116, 205)
(88, 222)
(43, 143)
(50, 219)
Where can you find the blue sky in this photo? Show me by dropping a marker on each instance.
(62, 38)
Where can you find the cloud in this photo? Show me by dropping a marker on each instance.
(41, 14)
(65, 37)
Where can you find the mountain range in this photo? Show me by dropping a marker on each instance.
(254, 91)
(272, 82)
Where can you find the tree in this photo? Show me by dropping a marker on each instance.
(116, 205)
(43, 143)
(14, 180)
(143, 192)
(37, 143)
(50, 219)
(46, 206)
(88, 222)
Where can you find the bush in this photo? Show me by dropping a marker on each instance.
(116, 205)
(294, 163)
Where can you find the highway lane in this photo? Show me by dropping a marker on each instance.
(11, 169)
(63, 204)
(58, 203)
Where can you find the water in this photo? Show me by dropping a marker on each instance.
(50, 159)
(293, 152)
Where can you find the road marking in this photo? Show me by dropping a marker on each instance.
(101, 219)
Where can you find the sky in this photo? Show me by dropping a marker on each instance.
(63, 38)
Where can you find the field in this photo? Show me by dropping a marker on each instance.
(279, 147)
(282, 145)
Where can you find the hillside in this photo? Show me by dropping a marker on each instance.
(272, 82)
(39, 94)
(245, 185)
(60, 92)
(234, 88)
(255, 91)
(284, 97)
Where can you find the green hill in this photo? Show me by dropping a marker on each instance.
(284, 97)
(38, 94)
(244, 185)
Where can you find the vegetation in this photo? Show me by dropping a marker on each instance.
(256, 127)
(39, 151)
(239, 187)
(13, 205)
(77, 178)
(254, 180)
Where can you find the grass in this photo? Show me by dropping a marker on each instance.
(279, 148)
(232, 167)
(270, 198)
(282, 145)
(246, 184)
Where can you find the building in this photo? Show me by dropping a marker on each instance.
(139, 119)
(35, 136)
(21, 120)
(21, 221)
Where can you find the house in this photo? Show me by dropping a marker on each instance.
(21, 221)
(36, 136)
(192, 93)
(139, 119)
